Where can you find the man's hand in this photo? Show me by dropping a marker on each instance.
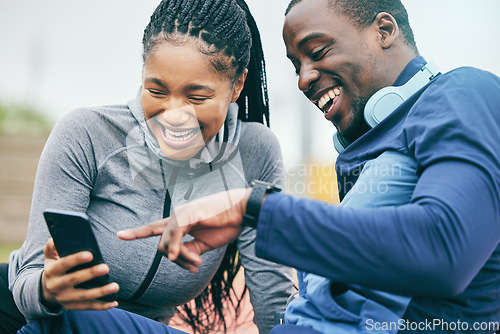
(213, 221)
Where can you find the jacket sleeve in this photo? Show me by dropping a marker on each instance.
(434, 245)
(63, 181)
(269, 284)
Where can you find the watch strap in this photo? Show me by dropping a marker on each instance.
(260, 189)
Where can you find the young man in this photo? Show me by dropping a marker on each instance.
(441, 247)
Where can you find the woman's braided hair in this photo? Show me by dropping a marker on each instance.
(232, 41)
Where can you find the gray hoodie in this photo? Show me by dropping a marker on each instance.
(105, 162)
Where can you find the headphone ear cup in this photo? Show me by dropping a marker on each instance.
(381, 104)
(386, 100)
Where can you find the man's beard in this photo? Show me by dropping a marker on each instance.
(358, 125)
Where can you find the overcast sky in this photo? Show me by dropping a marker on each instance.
(62, 54)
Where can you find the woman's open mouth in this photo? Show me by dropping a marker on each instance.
(179, 138)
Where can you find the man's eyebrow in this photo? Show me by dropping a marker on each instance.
(304, 41)
(156, 81)
(308, 38)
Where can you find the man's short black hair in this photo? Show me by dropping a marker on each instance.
(362, 13)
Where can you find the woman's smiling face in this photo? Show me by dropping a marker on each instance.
(184, 98)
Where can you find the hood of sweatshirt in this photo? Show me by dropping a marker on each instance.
(218, 150)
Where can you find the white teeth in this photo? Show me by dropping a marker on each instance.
(179, 135)
(330, 95)
(322, 101)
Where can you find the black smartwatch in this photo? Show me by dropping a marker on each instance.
(260, 189)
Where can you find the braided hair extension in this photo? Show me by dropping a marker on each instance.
(226, 32)
(208, 313)
(255, 90)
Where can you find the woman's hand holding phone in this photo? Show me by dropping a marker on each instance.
(59, 286)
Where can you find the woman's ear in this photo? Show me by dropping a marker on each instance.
(238, 85)
(387, 28)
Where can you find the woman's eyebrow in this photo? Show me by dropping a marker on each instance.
(157, 81)
(160, 82)
(200, 87)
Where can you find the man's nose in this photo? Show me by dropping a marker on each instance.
(307, 77)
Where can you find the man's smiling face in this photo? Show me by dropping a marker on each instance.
(336, 63)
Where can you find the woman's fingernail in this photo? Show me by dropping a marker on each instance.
(113, 287)
(102, 269)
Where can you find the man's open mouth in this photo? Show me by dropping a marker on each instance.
(328, 100)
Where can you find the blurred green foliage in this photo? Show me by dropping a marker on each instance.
(22, 120)
(6, 248)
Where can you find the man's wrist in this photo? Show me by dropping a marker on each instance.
(256, 199)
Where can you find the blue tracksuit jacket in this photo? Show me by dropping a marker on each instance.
(441, 248)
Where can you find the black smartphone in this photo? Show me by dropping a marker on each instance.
(72, 233)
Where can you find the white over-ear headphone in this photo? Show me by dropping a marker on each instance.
(387, 99)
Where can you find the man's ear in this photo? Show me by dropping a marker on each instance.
(238, 85)
(387, 28)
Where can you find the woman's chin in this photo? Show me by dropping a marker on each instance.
(182, 154)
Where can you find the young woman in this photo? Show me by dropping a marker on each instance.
(193, 129)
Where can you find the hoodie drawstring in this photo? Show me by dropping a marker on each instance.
(158, 256)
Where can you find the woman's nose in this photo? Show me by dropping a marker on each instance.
(177, 115)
